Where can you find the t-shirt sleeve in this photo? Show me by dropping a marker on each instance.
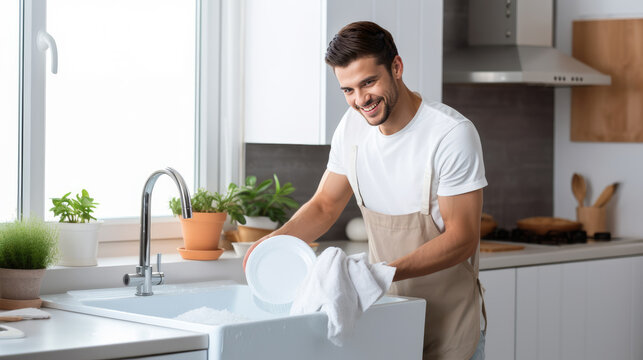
(459, 161)
(336, 158)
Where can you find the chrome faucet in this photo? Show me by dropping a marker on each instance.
(144, 278)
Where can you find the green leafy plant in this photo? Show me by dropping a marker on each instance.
(28, 244)
(207, 202)
(265, 200)
(74, 210)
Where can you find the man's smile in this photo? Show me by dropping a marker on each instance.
(371, 108)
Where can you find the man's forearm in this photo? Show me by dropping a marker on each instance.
(461, 215)
(442, 252)
(310, 222)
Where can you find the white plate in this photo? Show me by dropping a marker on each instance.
(276, 268)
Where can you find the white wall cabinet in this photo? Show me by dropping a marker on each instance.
(500, 302)
(290, 94)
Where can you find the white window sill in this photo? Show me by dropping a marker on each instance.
(110, 269)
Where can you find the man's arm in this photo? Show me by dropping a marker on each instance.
(461, 215)
(316, 216)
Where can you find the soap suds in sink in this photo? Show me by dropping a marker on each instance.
(209, 316)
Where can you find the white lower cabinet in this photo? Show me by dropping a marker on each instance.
(500, 302)
(580, 310)
(577, 310)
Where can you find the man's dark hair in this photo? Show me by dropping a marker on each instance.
(361, 39)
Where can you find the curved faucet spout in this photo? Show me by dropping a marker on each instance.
(144, 275)
(186, 208)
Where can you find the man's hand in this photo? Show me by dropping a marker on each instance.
(245, 258)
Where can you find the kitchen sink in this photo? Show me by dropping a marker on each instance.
(391, 328)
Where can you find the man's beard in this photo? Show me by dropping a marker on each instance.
(388, 107)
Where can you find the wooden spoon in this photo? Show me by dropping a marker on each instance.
(606, 195)
(11, 318)
(579, 188)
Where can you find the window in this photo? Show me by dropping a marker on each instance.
(136, 89)
(9, 107)
(122, 104)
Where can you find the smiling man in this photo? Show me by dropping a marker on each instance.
(417, 173)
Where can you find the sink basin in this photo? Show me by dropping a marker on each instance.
(391, 328)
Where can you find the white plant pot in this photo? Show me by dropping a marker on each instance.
(78, 244)
(261, 222)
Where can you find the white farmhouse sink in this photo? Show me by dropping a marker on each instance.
(392, 328)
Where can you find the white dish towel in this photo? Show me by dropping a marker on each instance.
(27, 313)
(343, 287)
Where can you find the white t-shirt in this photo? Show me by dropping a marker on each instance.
(390, 168)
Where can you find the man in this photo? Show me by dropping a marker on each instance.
(417, 173)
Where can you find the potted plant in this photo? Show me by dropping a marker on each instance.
(209, 212)
(78, 233)
(27, 248)
(264, 205)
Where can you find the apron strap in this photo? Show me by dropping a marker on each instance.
(352, 176)
(484, 308)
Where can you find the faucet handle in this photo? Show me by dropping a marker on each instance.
(158, 262)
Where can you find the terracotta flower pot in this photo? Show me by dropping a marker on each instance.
(19, 284)
(250, 234)
(202, 231)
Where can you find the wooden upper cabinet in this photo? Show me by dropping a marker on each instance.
(609, 113)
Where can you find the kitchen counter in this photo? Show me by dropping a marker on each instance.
(551, 254)
(110, 271)
(68, 335)
(532, 254)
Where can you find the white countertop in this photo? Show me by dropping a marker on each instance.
(68, 335)
(533, 254)
(551, 254)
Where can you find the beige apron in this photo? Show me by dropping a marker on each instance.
(452, 321)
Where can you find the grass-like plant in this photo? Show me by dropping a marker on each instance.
(208, 202)
(28, 244)
(264, 200)
(74, 210)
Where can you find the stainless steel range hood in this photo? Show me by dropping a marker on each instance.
(511, 43)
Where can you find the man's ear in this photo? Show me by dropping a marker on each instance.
(397, 67)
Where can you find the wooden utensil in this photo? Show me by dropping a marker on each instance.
(11, 318)
(579, 188)
(486, 246)
(606, 195)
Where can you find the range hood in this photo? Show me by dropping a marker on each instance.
(511, 43)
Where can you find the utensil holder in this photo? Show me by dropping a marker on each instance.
(592, 218)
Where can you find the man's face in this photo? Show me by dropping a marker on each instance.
(369, 88)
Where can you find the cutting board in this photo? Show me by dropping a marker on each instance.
(486, 246)
(611, 113)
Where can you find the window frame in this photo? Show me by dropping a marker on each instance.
(218, 138)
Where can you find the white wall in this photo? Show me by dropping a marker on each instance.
(600, 163)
